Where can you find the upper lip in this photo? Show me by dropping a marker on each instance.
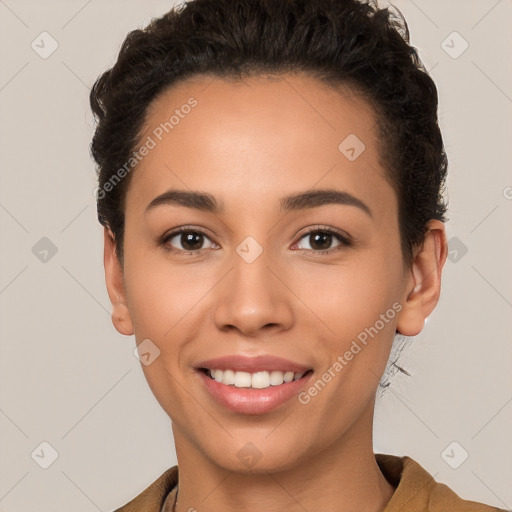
(253, 364)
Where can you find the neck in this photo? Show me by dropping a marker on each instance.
(343, 477)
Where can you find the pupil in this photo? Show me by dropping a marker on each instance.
(321, 240)
(187, 240)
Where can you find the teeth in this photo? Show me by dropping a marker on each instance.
(228, 377)
(258, 380)
(288, 376)
(242, 379)
(261, 380)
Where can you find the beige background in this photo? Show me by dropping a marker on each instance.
(67, 378)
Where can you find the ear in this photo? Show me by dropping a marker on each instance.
(423, 286)
(114, 279)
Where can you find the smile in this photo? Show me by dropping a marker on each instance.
(257, 380)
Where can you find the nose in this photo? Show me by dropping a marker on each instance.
(254, 297)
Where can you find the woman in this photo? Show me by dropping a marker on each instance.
(270, 186)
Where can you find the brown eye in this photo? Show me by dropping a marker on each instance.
(186, 241)
(322, 240)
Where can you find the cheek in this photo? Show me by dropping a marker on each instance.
(348, 298)
(161, 295)
(357, 307)
(165, 307)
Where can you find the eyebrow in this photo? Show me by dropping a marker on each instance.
(314, 198)
(206, 202)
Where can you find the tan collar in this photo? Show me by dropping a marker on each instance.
(415, 491)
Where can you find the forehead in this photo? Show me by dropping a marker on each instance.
(264, 134)
(288, 99)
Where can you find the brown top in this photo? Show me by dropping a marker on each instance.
(415, 491)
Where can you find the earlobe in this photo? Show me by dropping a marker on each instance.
(423, 286)
(114, 280)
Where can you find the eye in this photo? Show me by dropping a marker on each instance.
(186, 240)
(320, 240)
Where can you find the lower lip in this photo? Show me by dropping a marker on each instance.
(250, 400)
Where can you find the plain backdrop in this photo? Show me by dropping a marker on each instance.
(68, 379)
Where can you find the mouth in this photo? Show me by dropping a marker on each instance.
(253, 385)
(257, 380)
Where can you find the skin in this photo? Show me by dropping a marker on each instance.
(249, 144)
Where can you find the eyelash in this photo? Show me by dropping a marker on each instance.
(344, 240)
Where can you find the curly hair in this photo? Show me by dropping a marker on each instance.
(338, 42)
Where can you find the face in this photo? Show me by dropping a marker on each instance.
(285, 274)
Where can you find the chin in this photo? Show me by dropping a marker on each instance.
(260, 453)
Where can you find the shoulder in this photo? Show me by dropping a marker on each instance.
(417, 491)
(153, 497)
